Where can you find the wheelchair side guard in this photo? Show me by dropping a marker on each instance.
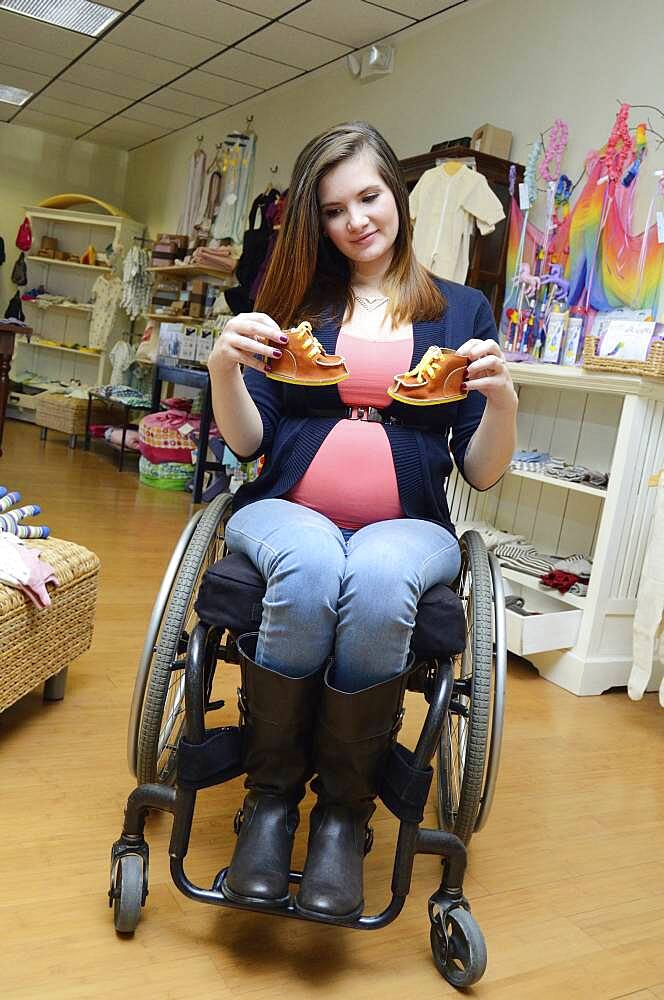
(404, 787)
(216, 760)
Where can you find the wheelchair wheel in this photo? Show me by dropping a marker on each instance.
(157, 713)
(469, 748)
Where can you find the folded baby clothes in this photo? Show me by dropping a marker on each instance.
(21, 568)
(558, 580)
(580, 565)
(524, 558)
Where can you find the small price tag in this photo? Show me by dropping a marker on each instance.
(524, 197)
(186, 429)
(660, 227)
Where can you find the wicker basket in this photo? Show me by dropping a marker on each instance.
(35, 645)
(68, 414)
(652, 367)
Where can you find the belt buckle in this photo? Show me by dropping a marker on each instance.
(369, 413)
(374, 415)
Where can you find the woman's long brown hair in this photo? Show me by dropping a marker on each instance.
(307, 275)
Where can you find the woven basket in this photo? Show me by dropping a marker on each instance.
(35, 645)
(653, 367)
(68, 414)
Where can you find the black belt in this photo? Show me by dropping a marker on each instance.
(368, 413)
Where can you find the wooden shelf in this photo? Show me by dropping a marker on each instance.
(68, 215)
(36, 342)
(186, 320)
(183, 272)
(82, 310)
(69, 263)
(584, 380)
(566, 484)
(532, 582)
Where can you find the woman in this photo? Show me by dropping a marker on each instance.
(348, 521)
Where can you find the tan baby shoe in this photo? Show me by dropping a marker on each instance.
(304, 362)
(436, 379)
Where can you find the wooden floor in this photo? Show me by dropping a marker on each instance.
(567, 880)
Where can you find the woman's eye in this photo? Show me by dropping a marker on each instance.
(370, 197)
(331, 212)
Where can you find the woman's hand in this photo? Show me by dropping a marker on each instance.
(248, 339)
(487, 373)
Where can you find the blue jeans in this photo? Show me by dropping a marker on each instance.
(329, 590)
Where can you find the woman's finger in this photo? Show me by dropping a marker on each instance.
(249, 346)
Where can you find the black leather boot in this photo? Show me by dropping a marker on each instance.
(354, 735)
(278, 714)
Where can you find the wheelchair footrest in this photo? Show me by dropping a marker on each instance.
(404, 787)
(217, 759)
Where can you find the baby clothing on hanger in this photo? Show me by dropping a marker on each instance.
(107, 294)
(445, 208)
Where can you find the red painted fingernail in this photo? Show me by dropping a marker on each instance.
(283, 339)
(276, 354)
(464, 386)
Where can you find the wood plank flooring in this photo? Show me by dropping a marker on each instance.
(566, 881)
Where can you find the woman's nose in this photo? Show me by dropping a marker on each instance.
(357, 221)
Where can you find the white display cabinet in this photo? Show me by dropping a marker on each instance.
(611, 423)
(67, 325)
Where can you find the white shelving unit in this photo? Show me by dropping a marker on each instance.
(65, 326)
(612, 423)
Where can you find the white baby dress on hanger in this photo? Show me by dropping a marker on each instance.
(445, 207)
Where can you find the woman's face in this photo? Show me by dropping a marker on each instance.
(358, 210)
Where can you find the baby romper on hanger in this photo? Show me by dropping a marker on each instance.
(445, 208)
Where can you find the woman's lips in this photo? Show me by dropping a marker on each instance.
(365, 239)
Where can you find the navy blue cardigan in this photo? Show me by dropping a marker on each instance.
(421, 457)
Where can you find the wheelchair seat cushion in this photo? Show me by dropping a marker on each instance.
(232, 591)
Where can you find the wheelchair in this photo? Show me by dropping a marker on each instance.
(206, 601)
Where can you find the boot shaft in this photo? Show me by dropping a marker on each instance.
(353, 738)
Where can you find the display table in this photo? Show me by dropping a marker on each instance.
(610, 423)
(37, 646)
(198, 378)
(99, 399)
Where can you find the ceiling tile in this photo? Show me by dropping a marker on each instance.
(216, 88)
(50, 123)
(13, 54)
(418, 8)
(7, 111)
(294, 47)
(23, 78)
(187, 104)
(269, 8)
(103, 79)
(107, 136)
(157, 116)
(146, 36)
(97, 99)
(38, 35)
(247, 68)
(219, 22)
(142, 130)
(63, 109)
(349, 21)
(119, 59)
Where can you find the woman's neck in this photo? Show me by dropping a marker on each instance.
(370, 275)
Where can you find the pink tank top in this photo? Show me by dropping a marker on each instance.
(352, 479)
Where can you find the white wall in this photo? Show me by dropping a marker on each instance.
(515, 63)
(35, 165)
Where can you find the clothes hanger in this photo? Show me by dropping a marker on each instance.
(216, 163)
(655, 478)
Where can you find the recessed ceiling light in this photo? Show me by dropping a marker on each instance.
(14, 95)
(77, 15)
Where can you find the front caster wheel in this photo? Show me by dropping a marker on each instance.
(127, 893)
(458, 947)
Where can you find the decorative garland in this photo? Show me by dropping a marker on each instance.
(554, 152)
(530, 175)
(620, 146)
